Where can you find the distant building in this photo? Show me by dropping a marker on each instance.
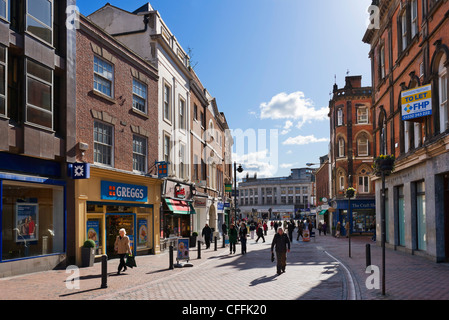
(351, 154)
(277, 198)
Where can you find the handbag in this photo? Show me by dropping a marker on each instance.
(272, 257)
(130, 261)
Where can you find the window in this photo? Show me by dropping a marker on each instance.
(182, 113)
(3, 9)
(139, 154)
(400, 212)
(182, 154)
(414, 18)
(195, 175)
(139, 96)
(382, 63)
(340, 117)
(32, 220)
(195, 112)
(3, 74)
(39, 20)
(341, 181)
(363, 184)
(341, 147)
(166, 148)
(421, 216)
(103, 76)
(442, 84)
(362, 145)
(362, 115)
(103, 143)
(167, 100)
(39, 108)
(404, 30)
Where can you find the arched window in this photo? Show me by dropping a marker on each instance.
(340, 117)
(341, 147)
(341, 180)
(362, 145)
(363, 185)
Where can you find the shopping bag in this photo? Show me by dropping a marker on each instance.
(272, 257)
(130, 261)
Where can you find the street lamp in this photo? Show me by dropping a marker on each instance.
(239, 170)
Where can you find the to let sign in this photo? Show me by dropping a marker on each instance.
(417, 102)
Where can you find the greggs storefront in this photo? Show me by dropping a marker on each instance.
(110, 200)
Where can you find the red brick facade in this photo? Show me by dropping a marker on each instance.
(117, 110)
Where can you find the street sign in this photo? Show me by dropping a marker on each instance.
(416, 103)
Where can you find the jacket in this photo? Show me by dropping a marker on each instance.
(233, 235)
(280, 242)
(122, 245)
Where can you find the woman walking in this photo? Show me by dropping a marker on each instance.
(260, 233)
(122, 247)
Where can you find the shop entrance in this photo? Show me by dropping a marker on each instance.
(114, 222)
(446, 216)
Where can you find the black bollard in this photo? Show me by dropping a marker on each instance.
(368, 255)
(215, 243)
(171, 267)
(224, 241)
(104, 271)
(199, 249)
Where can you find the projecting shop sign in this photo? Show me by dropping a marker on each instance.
(417, 102)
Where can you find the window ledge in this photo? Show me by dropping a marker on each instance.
(103, 96)
(140, 113)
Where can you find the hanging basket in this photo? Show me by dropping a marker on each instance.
(350, 193)
(384, 164)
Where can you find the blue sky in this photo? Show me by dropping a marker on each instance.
(271, 66)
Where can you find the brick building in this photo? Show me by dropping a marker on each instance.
(410, 49)
(351, 154)
(116, 117)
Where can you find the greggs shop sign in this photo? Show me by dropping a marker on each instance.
(123, 192)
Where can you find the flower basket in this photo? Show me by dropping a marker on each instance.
(350, 193)
(383, 163)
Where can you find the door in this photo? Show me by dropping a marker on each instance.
(446, 215)
(115, 222)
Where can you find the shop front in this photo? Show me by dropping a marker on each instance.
(33, 215)
(361, 216)
(109, 201)
(177, 212)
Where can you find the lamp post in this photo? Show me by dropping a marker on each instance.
(240, 170)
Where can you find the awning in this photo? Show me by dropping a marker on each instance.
(179, 206)
(322, 212)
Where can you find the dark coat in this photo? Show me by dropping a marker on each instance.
(207, 232)
(280, 242)
(232, 235)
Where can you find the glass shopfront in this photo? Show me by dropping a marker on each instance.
(33, 219)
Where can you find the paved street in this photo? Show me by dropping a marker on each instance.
(316, 270)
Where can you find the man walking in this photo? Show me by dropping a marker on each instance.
(207, 233)
(282, 244)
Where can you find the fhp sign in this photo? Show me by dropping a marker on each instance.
(417, 102)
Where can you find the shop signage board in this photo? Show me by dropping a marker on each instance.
(123, 192)
(79, 171)
(416, 103)
(183, 249)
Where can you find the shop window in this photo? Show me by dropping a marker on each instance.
(32, 220)
(421, 216)
(39, 95)
(95, 232)
(40, 19)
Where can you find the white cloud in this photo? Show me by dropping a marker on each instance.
(287, 165)
(258, 162)
(293, 106)
(302, 140)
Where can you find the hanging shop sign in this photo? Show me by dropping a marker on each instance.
(417, 102)
(79, 170)
(123, 192)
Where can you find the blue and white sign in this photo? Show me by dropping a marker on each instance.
(79, 170)
(123, 192)
(417, 102)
